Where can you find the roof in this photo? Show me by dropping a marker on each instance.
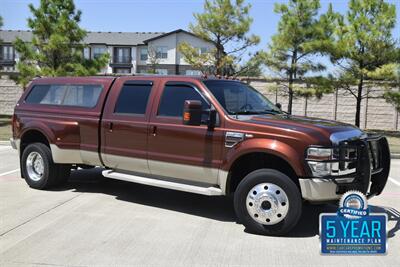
(169, 33)
(109, 38)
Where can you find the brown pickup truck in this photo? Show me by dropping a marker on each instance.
(199, 135)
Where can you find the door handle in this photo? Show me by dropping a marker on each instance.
(110, 125)
(154, 130)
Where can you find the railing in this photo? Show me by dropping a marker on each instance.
(122, 59)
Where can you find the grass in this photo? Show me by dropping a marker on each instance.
(5, 128)
(392, 136)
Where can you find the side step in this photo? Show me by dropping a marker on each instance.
(209, 191)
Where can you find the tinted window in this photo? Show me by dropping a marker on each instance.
(133, 99)
(65, 95)
(174, 97)
(82, 95)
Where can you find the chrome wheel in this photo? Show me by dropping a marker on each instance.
(267, 203)
(35, 166)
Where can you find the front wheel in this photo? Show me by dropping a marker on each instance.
(39, 170)
(268, 202)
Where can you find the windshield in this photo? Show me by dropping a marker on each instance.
(239, 98)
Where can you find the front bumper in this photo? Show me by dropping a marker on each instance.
(370, 177)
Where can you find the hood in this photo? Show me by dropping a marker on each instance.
(333, 130)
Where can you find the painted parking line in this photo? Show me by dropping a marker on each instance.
(394, 181)
(5, 173)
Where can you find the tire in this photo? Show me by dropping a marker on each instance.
(273, 200)
(45, 173)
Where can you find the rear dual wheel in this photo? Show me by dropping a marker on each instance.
(39, 170)
(268, 202)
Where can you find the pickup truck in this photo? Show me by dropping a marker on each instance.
(202, 135)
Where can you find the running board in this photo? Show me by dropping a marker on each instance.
(208, 191)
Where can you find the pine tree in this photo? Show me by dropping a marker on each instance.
(301, 36)
(365, 50)
(225, 24)
(56, 48)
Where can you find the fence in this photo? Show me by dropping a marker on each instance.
(375, 112)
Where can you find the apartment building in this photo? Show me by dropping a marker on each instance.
(130, 52)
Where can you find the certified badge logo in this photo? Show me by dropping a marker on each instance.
(353, 230)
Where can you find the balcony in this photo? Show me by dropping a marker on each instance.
(121, 61)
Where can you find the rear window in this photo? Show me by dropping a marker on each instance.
(83, 95)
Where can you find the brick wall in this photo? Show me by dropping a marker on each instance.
(9, 95)
(375, 112)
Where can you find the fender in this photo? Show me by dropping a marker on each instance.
(40, 127)
(268, 146)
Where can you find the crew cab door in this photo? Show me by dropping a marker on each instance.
(191, 153)
(125, 125)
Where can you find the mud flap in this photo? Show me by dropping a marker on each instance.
(379, 179)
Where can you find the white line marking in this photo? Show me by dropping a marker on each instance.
(394, 181)
(5, 173)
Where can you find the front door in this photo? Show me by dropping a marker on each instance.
(125, 126)
(185, 152)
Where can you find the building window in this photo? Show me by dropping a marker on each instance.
(161, 52)
(193, 72)
(98, 51)
(7, 53)
(143, 54)
(162, 71)
(86, 53)
(122, 55)
(122, 70)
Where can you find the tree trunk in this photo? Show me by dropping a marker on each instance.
(358, 100)
(290, 103)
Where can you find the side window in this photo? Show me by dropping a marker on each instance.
(65, 95)
(46, 94)
(82, 95)
(133, 99)
(173, 98)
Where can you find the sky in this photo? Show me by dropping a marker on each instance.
(159, 15)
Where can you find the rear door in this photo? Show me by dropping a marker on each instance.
(125, 125)
(185, 152)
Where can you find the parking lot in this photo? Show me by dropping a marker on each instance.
(96, 221)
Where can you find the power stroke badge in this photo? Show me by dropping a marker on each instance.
(353, 229)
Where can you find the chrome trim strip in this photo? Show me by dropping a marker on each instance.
(233, 138)
(209, 191)
(316, 189)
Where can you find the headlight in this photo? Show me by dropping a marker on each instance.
(328, 162)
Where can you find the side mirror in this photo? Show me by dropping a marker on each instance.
(192, 111)
(278, 105)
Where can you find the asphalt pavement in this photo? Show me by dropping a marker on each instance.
(93, 221)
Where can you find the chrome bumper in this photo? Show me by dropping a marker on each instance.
(317, 189)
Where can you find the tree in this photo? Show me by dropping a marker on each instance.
(1, 25)
(252, 67)
(364, 46)
(226, 25)
(301, 36)
(56, 48)
(153, 60)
